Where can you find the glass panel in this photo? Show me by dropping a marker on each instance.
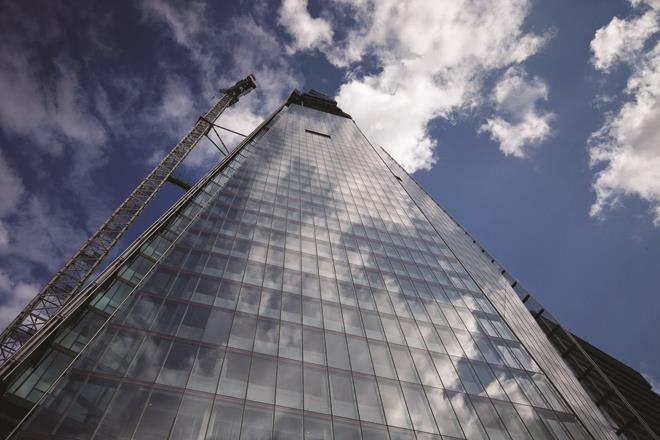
(533, 422)
(467, 416)
(123, 414)
(392, 331)
(119, 353)
(316, 389)
(169, 318)
(490, 419)
(447, 372)
(374, 432)
(419, 408)
(431, 338)
(413, 338)
(312, 312)
(511, 420)
(267, 336)
(449, 341)
(147, 361)
(86, 410)
(192, 418)
(359, 354)
(337, 351)
(218, 327)
(332, 319)
(468, 378)
(262, 379)
(489, 381)
(317, 428)
(396, 411)
(270, 304)
(443, 413)
(225, 420)
(425, 368)
(291, 341)
(242, 332)
(372, 326)
(292, 308)
(342, 395)
(289, 384)
(346, 429)
(234, 376)
(313, 346)
(248, 302)
(206, 371)
(368, 400)
(158, 416)
(404, 365)
(257, 423)
(352, 322)
(383, 363)
(194, 322)
(510, 385)
(178, 364)
(288, 424)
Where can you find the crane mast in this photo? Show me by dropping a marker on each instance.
(68, 280)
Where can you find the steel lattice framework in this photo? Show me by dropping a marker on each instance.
(84, 262)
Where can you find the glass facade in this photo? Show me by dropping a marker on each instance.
(309, 293)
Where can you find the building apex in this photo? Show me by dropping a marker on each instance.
(316, 100)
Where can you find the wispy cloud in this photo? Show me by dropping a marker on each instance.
(626, 149)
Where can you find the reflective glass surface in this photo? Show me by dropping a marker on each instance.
(310, 298)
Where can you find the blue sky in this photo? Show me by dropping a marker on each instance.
(536, 124)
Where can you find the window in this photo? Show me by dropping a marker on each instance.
(396, 411)
(342, 395)
(316, 389)
(317, 133)
(289, 384)
(234, 377)
(368, 399)
(262, 379)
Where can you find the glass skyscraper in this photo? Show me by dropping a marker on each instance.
(306, 288)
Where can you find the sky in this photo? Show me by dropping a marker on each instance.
(536, 124)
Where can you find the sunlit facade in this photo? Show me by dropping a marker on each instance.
(309, 289)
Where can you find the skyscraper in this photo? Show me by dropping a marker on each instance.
(307, 287)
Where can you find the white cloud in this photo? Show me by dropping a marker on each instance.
(626, 149)
(628, 144)
(522, 125)
(433, 57)
(621, 40)
(307, 32)
(14, 295)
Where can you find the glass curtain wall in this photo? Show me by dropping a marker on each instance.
(310, 299)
